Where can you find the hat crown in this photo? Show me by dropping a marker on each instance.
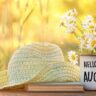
(38, 51)
(28, 61)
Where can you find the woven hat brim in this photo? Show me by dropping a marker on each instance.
(3, 78)
(5, 83)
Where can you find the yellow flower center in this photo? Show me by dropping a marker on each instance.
(70, 21)
(73, 57)
(93, 43)
(91, 26)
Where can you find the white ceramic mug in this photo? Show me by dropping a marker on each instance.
(88, 71)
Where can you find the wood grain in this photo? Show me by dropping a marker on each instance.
(55, 88)
(23, 93)
(17, 92)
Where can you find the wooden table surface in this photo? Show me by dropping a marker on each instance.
(24, 93)
(21, 91)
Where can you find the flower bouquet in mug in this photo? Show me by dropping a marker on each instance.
(71, 24)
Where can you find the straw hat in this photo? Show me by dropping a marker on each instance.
(38, 62)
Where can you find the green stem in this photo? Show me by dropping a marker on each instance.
(92, 52)
(75, 35)
(79, 29)
(22, 24)
(42, 22)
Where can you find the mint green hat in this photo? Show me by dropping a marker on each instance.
(39, 62)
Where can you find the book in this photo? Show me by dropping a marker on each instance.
(55, 87)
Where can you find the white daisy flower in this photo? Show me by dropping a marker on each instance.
(88, 22)
(88, 36)
(75, 12)
(72, 12)
(70, 28)
(68, 20)
(89, 18)
(91, 44)
(73, 57)
(84, 40)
